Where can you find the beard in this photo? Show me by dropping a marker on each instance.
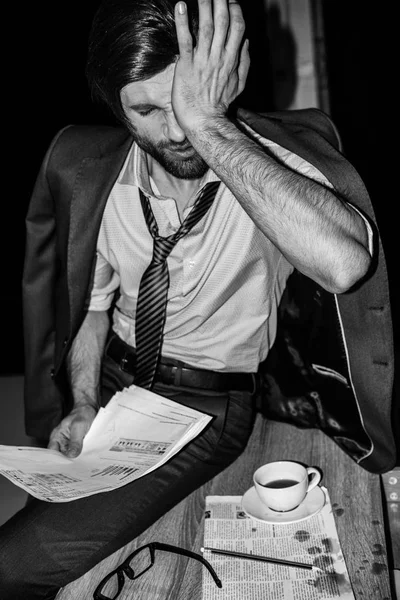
(181, 167)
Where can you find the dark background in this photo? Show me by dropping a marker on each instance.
(47, 90)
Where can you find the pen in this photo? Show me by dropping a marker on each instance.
(278, 561)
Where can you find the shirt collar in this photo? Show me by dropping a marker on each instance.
(134, 172)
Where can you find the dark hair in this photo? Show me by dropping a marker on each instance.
(131, 40)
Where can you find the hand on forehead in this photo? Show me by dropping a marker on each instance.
(210, 74)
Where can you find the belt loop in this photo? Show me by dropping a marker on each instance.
(177, 371)
(124, 364)
(256, 381)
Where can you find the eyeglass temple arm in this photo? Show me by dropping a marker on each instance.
(190, 554)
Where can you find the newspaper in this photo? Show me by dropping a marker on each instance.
(313, 541)
(136, 433)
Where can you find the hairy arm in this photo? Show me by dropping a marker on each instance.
(83, 365)
(317, 232)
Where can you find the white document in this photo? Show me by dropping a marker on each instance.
(136, 433)
(313, 541)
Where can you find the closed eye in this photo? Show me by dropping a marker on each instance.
(144, 113)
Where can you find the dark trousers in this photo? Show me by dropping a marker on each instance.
(47, 545)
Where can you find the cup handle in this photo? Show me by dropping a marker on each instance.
(316, 478)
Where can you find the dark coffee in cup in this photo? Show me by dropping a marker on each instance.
(280, 483)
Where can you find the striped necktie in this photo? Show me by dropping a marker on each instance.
(153, 290)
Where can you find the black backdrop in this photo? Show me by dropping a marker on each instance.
(46, 89)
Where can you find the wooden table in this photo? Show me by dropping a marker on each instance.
(356, 500)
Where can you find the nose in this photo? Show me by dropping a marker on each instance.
(172, 129)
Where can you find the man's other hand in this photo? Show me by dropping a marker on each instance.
(68, 436)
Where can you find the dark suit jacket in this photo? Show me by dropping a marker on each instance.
(332, 363)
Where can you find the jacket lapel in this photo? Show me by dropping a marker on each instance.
(93, 185)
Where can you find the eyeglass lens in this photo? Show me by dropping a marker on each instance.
(139, 563)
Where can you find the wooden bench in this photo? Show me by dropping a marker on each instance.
(356, 498)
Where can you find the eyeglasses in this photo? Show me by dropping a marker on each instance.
(138, 563)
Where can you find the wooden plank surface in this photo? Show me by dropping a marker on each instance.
(356, 500)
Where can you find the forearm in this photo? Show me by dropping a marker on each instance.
(317, 232)
(85, 357)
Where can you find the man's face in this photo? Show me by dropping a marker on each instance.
(148, 108)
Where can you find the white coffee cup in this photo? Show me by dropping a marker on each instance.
(283, 485)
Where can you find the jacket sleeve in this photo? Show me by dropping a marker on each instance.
(43, 396)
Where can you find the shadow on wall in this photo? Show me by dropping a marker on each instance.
(272, 80)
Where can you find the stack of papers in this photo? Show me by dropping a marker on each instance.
(136, 433)
(313, 541)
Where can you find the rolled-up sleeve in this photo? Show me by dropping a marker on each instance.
(106, 282)
(370, 233)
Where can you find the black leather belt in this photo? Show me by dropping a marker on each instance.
(181, 374)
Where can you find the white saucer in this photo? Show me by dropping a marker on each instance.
(311, 505)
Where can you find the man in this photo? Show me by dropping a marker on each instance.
(104, 198)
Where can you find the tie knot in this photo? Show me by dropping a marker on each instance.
(162, 248)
